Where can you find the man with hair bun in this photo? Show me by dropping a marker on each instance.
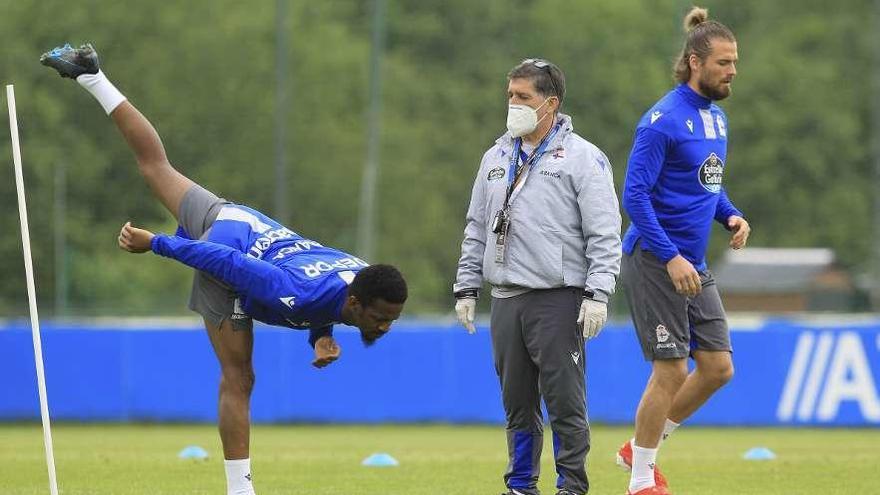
(672, 193)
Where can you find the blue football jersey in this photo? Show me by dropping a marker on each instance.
(280, 277)
(673, 187)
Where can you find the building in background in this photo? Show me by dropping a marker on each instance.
(784, 280)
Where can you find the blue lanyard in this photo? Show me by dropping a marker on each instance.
(517, 155)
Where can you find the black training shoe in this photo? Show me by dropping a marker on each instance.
(72, 62)
(565, 492)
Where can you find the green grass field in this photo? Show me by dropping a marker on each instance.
(434, 460)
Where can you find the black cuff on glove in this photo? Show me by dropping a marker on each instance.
(467, 293)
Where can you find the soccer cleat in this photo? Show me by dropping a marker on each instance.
(651, 490)
(72, 62)
(566, 492)
(625, 461)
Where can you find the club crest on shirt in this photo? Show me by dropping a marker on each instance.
(558, 153)
(662, 333)
(495, 173)
(711, 172)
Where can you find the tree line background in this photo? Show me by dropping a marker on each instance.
(800, 162)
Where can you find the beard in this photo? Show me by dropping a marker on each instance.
(370, 338)
(714, 92)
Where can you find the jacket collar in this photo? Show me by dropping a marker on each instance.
(505, 142)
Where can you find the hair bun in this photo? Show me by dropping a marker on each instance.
(694, 18)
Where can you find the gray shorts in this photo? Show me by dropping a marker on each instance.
(211, 298)
(671, 325)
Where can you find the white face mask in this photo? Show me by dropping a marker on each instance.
(523, 119)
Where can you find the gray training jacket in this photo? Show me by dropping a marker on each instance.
(564, 220)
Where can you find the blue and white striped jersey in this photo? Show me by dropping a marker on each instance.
(673, 180)
(281, 278)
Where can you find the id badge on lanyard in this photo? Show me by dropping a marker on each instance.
(501, 235)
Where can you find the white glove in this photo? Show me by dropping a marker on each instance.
(465, 309)
(592, 317)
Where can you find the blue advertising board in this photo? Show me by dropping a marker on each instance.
(787, 373)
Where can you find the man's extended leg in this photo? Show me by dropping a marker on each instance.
(233, 346)
(82, 64)
(167, 184)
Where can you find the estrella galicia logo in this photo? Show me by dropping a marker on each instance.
(710, 173)
(495, 173)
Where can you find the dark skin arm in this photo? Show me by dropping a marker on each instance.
(326, 351)
(135, 240)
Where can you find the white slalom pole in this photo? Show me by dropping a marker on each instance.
(31, 289)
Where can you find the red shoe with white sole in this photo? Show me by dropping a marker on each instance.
(625, 461)
(651, 490)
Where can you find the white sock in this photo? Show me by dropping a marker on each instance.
(642, 469)
(102, 89)
(238, 477)
(668, 428)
